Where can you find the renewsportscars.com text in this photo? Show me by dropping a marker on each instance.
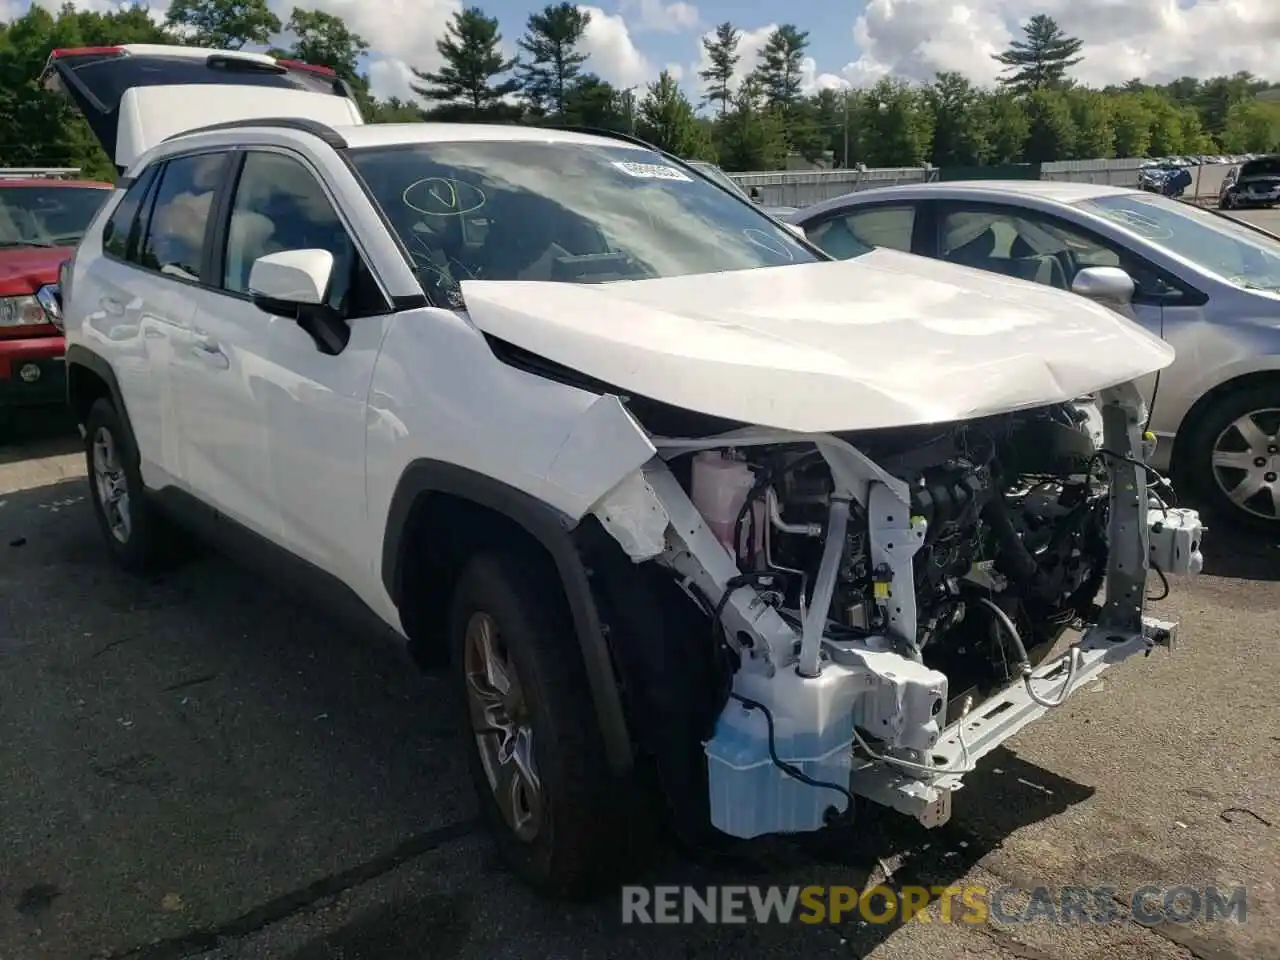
(975, 904)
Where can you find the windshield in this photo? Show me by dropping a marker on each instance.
(567, 212)
(720, 177)
(1212, 242)
(47, 216)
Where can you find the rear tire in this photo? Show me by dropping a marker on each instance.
(551, 804)
(141, 541)
(1234, 448)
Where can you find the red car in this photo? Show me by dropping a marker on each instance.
(41, 220)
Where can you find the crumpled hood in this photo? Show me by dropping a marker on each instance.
(883, 340)
(25, 270)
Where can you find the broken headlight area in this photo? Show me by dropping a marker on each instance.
(882, 606)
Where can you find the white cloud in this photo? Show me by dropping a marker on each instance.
(614, 55)
(401, 32)
(656, 16)
(1156, 40)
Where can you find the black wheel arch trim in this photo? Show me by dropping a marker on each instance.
(554, 531)
(81, 356)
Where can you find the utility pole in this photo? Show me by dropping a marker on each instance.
(844, 157)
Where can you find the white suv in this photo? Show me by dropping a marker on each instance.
(707, 524)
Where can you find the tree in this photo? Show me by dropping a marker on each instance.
(896, 125)
(1251, 127)
(666, 119)
(750, 137)
(1042, 59)
(959, 131)
(722, 51)
(781, 69)
(323, 39)
(591, 102)
(393, 110)
(1095, 135)
(826, 110)
(39, 128)
(1006, 126)
(1052, 131)
(471, 48)
(551, 40)
(1131, 121)
(224, 24)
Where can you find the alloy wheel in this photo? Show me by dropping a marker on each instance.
(112, 485)
(1246, 463)
(502, 726)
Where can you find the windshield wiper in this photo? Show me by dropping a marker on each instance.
(25, 243)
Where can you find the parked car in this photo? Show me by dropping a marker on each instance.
(1167, 179)
(1255, 183)
(719, 176)
(705, 522)
(1207, 284)
(41, 219)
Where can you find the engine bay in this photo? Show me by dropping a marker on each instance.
(884, 606)
(1014, 507)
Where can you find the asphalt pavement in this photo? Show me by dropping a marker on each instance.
(196, 766)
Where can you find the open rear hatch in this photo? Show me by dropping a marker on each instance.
(137, 95)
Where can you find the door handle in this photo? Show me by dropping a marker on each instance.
(207, 349)
(112, 306)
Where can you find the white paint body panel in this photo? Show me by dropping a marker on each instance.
(885, 340)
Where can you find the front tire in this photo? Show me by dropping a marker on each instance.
(537, 759)
(1233, 457)
(139, 538)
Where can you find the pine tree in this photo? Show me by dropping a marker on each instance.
(472, 53)
(667, 120)
(1042, 59)
(722, 51)
(781, 70)
(551, 40)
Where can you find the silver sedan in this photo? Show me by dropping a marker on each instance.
(1209, 285)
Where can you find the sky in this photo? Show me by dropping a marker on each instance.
(856, 43)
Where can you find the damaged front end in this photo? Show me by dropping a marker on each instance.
(880, 606)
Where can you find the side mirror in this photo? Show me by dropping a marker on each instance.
(291, 278)
(797, 230)
(1110, 284)
(294, 284)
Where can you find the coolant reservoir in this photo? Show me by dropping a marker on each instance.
(720, 488)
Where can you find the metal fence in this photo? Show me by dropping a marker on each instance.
(792, 188)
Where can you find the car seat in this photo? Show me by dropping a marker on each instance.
(1043, 268)
(978, 252)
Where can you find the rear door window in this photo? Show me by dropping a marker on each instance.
(181, 215)
(122, 231)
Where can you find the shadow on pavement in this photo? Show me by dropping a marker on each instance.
(38, 432)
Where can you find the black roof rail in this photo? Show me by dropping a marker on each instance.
(314, 127)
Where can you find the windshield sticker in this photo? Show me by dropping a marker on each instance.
(652, 171)
(440, 197)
